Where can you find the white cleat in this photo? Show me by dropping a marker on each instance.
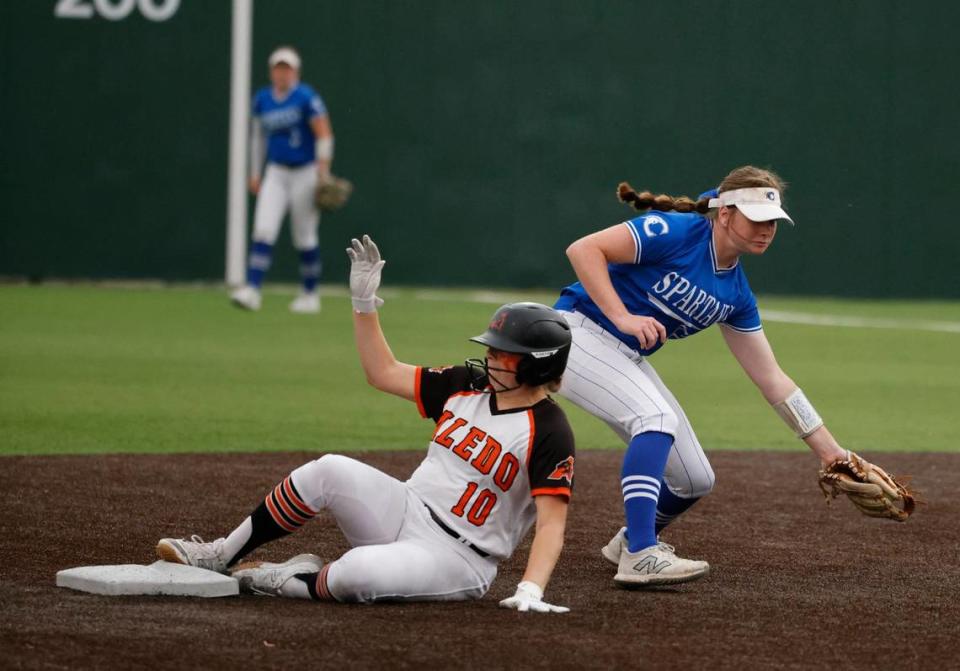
(611, 551)
(657, 565)
(306, 303)
(246, 298)
(193, 552)
(268, 579)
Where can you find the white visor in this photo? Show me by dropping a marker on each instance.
(757, 204)
(285, 55)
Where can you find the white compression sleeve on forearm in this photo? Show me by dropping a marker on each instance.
(799, 413)
(257, 149)
(324, 148)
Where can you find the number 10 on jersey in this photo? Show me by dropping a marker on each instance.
(480, 508)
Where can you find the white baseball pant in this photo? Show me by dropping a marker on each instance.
(398, 553)
(617, 384)
(286, 188)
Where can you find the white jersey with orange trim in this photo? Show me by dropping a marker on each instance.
(484, 465)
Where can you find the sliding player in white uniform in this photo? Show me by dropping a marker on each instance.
(291, 122)
(671, 274)
(501, 458)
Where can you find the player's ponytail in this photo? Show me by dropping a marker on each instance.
(744, 177)
(662, 202)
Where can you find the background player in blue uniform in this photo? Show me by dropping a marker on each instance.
(291, 123)
(670, 274)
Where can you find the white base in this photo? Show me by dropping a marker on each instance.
(159, 577)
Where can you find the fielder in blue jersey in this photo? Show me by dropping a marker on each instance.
(670, 274)
(291, 127)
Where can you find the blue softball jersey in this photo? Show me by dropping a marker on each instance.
(286, 123)
(675, 279)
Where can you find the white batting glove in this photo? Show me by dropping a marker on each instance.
(365, 267)
(529, 597)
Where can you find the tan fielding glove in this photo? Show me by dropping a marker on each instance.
(332, 193)
(871, 489)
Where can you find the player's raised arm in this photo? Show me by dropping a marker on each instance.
(753, 352)
(382, 369)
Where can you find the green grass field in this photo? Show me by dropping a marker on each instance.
(87, 369)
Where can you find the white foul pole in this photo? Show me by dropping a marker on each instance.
(241, 40)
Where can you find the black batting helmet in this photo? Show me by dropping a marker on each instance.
(539, 333)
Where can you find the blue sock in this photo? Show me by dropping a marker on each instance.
(310, 268)
(259, 263)
(642, 471)
(670, 506)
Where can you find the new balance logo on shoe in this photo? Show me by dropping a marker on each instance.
(649, 564)
(657, 565)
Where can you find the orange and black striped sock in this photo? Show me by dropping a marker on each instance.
(286, 507)
(282, 512)
(317, 584)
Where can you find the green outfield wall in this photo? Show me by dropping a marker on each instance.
(484, 137)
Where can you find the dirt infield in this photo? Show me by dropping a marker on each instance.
(795, 584)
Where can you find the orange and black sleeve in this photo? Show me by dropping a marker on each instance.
(552, 452)
(433, 386)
